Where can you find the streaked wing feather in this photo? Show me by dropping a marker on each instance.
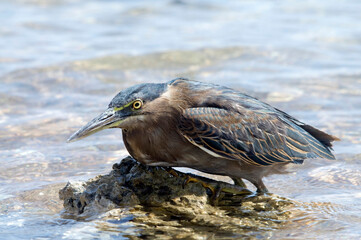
(255, 138)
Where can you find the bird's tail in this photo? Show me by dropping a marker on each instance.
(323, 146)
(320, 142)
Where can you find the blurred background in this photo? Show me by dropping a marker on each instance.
(62, 61)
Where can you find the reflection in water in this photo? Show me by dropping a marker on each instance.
(301, 57)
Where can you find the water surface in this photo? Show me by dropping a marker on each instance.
(62, 62)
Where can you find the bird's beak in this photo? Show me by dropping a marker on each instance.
(105, 120)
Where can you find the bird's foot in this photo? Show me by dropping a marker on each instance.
(207, 186)
(210, 189)
(217, 190)
(227, 189)
(172, 172)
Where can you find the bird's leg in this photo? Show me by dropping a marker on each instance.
(261, 188)
(239, 182)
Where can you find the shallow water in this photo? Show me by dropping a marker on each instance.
(63, 61)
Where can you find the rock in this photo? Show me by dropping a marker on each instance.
(128, 184)
(158, 203)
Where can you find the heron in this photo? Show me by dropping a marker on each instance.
(210, 128)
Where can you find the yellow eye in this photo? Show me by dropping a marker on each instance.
(137, 104)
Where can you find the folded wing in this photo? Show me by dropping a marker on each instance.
(254, 137)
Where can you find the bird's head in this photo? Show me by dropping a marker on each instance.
(129, 107)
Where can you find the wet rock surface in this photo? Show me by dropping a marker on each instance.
(158, 203)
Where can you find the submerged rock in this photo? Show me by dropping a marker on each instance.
(158, 202)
